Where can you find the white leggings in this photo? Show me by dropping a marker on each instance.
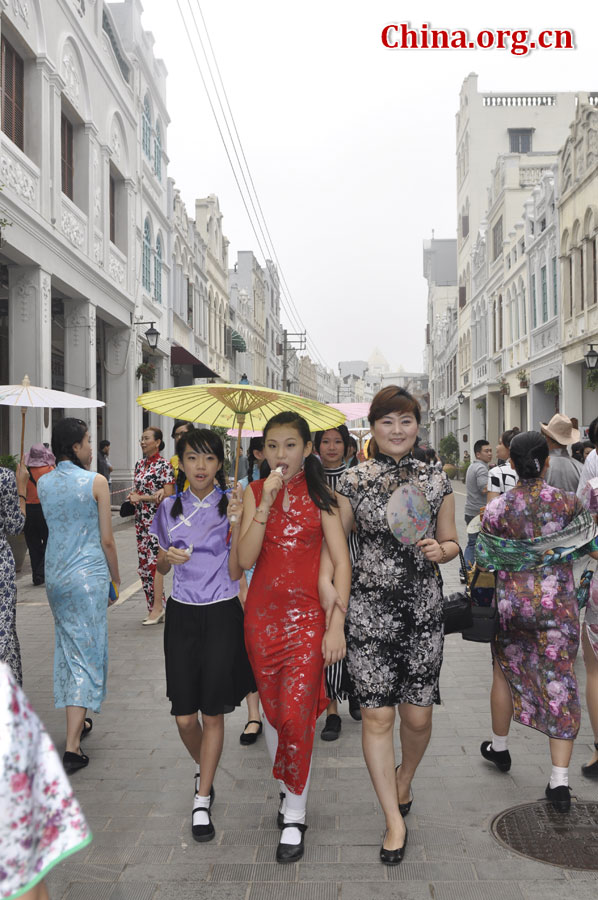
(294, 804)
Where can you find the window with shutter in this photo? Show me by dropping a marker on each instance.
(66, 129)
(13, 79)
(146, 256)
(112, 209)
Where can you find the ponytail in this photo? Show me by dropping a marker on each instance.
(223, 502)
(177, 506)
(65, 434)
(317, 485)
(256, 443)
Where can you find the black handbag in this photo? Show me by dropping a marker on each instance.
(456, 607)
(484, 618)
(126, 509)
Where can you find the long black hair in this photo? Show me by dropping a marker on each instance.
(529, 452)
(202, 440)
(317, 485)
(65, 433)
(342, 430)
(256, 443)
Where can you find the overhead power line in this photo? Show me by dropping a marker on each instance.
(255, 215)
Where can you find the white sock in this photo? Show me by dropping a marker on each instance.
(283, 803)
(559, 776)
(271, 735)
(294, 812)
(201, 817)
(500, 742)
(197, 778)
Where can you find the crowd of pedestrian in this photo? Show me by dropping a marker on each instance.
(299, 589)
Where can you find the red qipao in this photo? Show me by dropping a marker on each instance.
(284, 627)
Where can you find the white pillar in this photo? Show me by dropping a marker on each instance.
(80, 360)
(123, 416)
(30, 342)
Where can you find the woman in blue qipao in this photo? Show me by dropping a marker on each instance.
(79, 553)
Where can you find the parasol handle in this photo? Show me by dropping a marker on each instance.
(23, 414)
(241, 421)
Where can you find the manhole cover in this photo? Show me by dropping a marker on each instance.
(536, 830)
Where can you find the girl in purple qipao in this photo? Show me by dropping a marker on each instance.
(537, 641)
(207, 669)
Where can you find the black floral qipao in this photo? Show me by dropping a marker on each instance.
(394, 623)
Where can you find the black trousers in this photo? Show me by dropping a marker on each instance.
(36, 536)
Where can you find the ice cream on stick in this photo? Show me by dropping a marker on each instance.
(279, 469)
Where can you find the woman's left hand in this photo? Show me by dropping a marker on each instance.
(334, 647)
(234, 510)
(22, 476)
(431, 550)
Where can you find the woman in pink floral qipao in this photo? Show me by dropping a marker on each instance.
(40, 820)
(537, 641)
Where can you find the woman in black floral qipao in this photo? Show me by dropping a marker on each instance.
(394, 623)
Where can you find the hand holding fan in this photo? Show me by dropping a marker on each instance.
(408, 514)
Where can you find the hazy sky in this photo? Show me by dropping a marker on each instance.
(351, 146)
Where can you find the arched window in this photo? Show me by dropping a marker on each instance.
(146, 256)
(158, 152)
(146, 128)
(158, 271)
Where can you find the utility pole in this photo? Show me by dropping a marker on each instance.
(293, 341)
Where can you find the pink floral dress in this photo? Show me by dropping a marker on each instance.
(538, 639)
(40, 820)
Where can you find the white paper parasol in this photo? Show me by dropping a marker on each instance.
(28, 395)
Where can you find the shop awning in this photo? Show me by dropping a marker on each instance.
(238, 342)
(181, 357)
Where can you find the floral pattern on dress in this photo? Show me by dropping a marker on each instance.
(394, 622)
(12, 521)
(41, 821)
(538, 640)
(150, 476)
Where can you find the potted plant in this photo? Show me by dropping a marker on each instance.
(592, 379)
(552, 386)
(503, 385)
(523, 378)
(16, 542)
(146, 371)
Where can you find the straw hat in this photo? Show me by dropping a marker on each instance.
(560, 429)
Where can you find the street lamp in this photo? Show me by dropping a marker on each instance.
(432, 417)
(591, 358)
(152, 335)
(461, 397)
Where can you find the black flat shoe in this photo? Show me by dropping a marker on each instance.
(591, 771)
(332, 728)
(405, 808)
(559, 797)
(354, 709)
(72, 762)
(393, 857)
(288, 853)
(202, 833)
(500, 758)
(87, 726)
(252, 737)
(280, 816)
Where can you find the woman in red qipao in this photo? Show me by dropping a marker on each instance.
(287, 636)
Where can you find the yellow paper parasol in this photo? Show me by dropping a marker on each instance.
(237, 405)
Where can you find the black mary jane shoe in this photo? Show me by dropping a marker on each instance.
(87, 726)
(500, 758)
(354, 709)
(280, 815)
(405, 808)
(289, 853)
(393, 857)
(591, 771)
(72, 762)
(559, 797)
(202, 833)
(251, 738)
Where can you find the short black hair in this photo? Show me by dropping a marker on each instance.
(479, 444)
(178, 423)
(342, 430)
(104, 444)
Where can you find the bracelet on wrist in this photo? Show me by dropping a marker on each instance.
(443, 551)
(258, 521)
(23, 497)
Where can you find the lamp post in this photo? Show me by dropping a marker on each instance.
(591, 358)
(461, 398)
(152, 335)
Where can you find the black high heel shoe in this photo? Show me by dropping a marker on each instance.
(591, 771)
(393, 857)
(404, 808)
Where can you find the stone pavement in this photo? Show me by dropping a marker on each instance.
(137, 790)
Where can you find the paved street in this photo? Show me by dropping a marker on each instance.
(137, 790)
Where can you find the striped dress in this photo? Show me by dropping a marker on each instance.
(334, 673)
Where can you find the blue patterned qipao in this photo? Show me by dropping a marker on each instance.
(77, 584)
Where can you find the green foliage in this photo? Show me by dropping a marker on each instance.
(146, 371)
(463, 467)
(592, 379)
(552, 386)
(8, 461)
(448, 449)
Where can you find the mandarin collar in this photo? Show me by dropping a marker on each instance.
(150, 459)
(296, 479)
(404, 461)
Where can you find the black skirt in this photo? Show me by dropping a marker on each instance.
(207, 668)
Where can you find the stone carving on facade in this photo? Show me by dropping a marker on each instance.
(72, 78)
(72, 229)
(25, 291)
(75, 322)
(92, 326)
(14, 176)
(98, 249)
(46, 298)
(80, 7)
(116, 269)
(592, 154)
(21, 8)
(116, 145)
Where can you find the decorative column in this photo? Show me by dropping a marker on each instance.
(55, 110)
(30, 344)
(123, 416)
(80, 359)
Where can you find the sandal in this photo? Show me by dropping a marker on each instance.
(87, 726)
(252, 737)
